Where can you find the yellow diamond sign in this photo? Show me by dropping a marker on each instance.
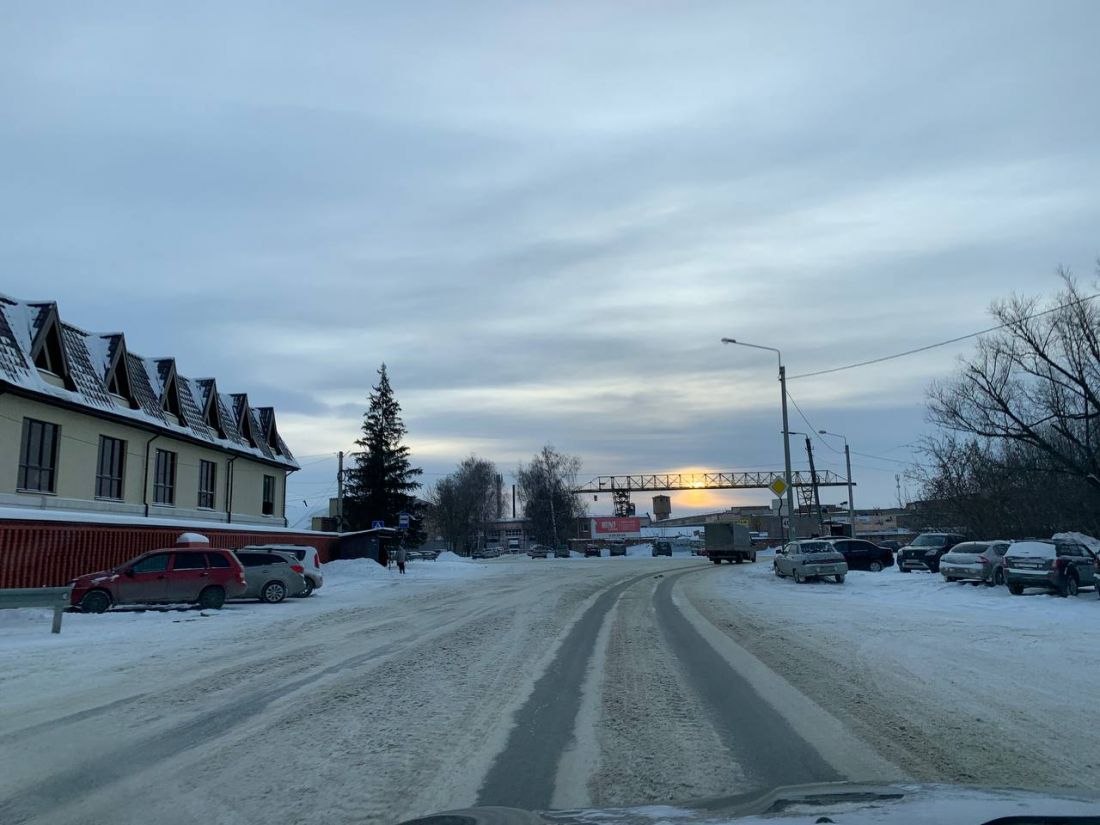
(778, 486)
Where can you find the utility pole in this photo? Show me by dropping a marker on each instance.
(340, 492)
(813, 482)
(787, 451)
(851, 503)
(513, 501)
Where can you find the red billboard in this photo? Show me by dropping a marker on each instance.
(603, 525)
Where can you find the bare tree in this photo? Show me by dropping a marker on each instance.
(463, 501)
(1034, 382)
(546, 487)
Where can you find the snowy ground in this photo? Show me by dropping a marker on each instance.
(386, 697)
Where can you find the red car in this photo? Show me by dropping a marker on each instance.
(194, 574)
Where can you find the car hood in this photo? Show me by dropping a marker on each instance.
(98, 577)
(849, 803)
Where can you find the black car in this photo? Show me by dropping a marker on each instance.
(925, 551)
(662, 548)
(591, 550)
(864, 555)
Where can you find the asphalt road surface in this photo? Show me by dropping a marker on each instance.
(543, 683)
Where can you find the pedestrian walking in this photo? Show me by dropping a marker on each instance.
(401, 556)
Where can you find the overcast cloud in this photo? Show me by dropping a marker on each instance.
(543, 217)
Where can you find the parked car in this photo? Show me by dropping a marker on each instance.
(864, 555)
(662, 548)
(617, 548)
(561, 552)
(975, 561)
(271, 575)
(513, 545)
(308, 556)
(206, 577)
(1060, 566)
(591, 550)
(490, 552)
(926, 550)
(537, 551)
(810, 559)
(422, 555)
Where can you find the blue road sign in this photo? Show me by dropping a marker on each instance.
(376, 524)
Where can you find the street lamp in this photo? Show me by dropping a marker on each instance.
(848, 462)
(786, 437)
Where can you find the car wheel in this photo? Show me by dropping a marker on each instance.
(839, 578)
(998, 577)
(798, 577)
(273, 592)
(949, 579)
(778, 575)
(1016, 589)
(309, 588)
(739, 559)
(212, 598)
(904, 569)
(95, 602)
(716, 561)
(875, 566)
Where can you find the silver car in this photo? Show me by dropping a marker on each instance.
(271, 575)
(810, 559)
(307, 556)
(975, 562)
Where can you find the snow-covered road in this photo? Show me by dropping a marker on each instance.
(538, 682)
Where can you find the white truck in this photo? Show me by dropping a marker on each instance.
(729, 542)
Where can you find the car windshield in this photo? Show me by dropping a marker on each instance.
(969, 547)
(929, 541)
(816, 547)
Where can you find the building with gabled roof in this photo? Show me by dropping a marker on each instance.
(88, 426)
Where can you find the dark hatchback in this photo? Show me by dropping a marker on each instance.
(864, 555)
(926, 550)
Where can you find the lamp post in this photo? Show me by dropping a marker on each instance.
(786, 438)
(848, 464)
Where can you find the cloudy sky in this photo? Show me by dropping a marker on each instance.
(544, 216)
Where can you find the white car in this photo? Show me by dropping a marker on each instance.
(309, 558)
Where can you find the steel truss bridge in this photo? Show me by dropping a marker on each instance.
(620, 487)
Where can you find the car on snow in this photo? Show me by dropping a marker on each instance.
(662, 548)
(925, 551)
(804, 559)
(513, 545)
(591, 550)
(271, 575)
(1059, 566)
(863, 555)
(309, 558)
(203, 576)
(618, 548)
(561, 552)
(537, 551)
(422, 555)
(490, 552)
(975, 562)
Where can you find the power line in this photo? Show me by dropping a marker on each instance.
(941, 343)
(814, 430)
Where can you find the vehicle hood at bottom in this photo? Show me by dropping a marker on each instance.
(841, 802)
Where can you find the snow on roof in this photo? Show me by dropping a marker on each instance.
(87, 357)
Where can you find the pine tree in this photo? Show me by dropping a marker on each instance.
(381, 483)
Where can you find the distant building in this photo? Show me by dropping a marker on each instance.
(662, 507)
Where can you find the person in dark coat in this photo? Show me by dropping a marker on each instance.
(401, 557)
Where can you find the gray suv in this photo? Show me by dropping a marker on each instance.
(306, 555)
(810, 559)
(271, 576)
(1060, 566)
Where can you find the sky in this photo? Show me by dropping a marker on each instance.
(543, 217)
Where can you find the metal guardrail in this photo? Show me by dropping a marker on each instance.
(55, 597)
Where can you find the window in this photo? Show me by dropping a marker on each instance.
(112, 460)
(38, 457)
(252, 559)
(164, 478)
(269, 496)
(208, 472)
(189, 561)
(152, 564)
(217, 560)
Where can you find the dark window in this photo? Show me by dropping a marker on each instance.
(252, 559)
(164, 480)
(273, 559)
(217, 560)
(189, 561)
(208, 472)
(38, 457)
(269, 495)
(152, 564)
(112, 460)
